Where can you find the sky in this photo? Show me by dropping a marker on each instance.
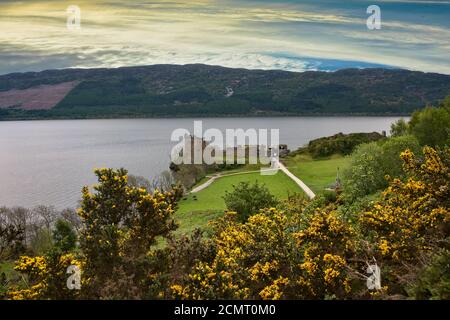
(256, 34)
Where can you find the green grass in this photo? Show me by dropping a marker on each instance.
(196, 210)
(7, 267)
(317, 174)
(210, 205)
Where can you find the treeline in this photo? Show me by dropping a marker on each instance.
(201, 90)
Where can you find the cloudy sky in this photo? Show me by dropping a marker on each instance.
(284, 34)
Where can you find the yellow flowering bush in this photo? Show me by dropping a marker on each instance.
(411, 221)
(327, 243)
(412, 214)
(46, 277)
(120, 224)
(252, 260)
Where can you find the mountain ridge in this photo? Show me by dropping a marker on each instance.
(167, 90)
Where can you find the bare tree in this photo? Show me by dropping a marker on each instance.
(46, 215)
(71, 216)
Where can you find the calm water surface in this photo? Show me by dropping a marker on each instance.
(48, 162)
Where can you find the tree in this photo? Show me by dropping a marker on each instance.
(372, 163)
(120, 224)
(399, 128)
(247, 199)
(431, 126)
(11, 241)
(71, 216)
(391, 161)
(64, 237)
(365, 174)
(46, 214)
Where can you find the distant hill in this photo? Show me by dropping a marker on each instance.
(201, 90)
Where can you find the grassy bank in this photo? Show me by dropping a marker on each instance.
(317, 174)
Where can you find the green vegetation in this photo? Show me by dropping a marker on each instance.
(245, 199)
(212, 197)
(371, 163)
(300, 249)
(339, 143)
(317, 174)
(200, 90)
(430, 126)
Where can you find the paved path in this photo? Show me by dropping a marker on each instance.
(281, 166)
(215, 177)
(299, 182)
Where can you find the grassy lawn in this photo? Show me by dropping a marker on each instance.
(317, 174)
(209, 205)
(196, 210)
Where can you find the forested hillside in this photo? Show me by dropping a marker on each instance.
(194, 90)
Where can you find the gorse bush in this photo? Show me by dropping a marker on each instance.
(120, 224)
(297, 250)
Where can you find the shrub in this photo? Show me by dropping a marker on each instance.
(431, 126)
(399, 128)
(340, 143)
(64, 237)
(412, 217)
(120, 224)
(246, 199)
(371, 163)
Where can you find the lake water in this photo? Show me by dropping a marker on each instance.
(48, 162)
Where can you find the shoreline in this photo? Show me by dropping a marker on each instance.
(324, 115)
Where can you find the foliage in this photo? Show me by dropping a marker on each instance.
(327, 243)
(399, 128)
(366, 174)
(120, 224)
(252, 260)
(172, 265)
(64, 237)
(11, 241)
(164, 182)
(413, 216)
(200, 90)
(431, 126)
(42, 241)
(300, 250)
(46, 277)
(340, 143)
(433, 279)
(275, 256)
(371, 163)
(246, 198)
